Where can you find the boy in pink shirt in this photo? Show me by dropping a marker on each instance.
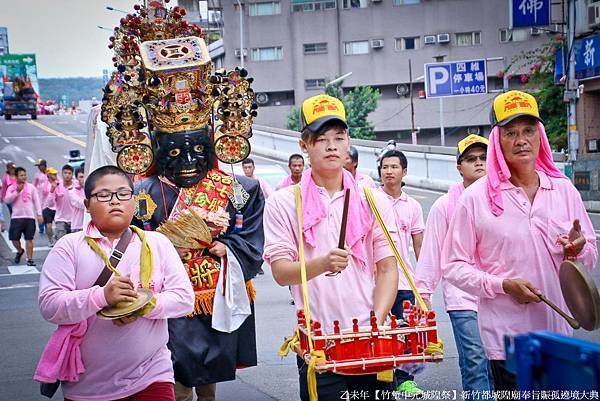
(351, 164)
(248, 166)
(461, 306)
(77, 197)
(60, 194)
(512, 229)
(126, 357)
(49, 203)
(367, 278)
(39, 181)
(26, 209)
(408, 216)
(8, 179)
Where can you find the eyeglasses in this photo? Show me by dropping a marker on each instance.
(473, 159)
(106, 196)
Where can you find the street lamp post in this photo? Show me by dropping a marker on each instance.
(104, 28)
(109, 8)
(241, 32)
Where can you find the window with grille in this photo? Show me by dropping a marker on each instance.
(308, 5)
(408, 43)
(312, 84)
(315, 48)
(356, 47)
(355, 3)
(267, 53)
(468, 38)
(260, 9)
(514, 35)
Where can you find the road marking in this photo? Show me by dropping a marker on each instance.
(83, 122)
(18, 286)
(31, 159)
(13, 249)
(5, 140)
(22, 269)
(57, 133)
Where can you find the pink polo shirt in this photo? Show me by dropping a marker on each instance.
(119, 361)
(64, 211)
(39, 181)
(429, 269)
(48, 202)
(481, 250)
(365, 181)
(25, 204)
(76, 197)
(264, 186)
(409, 221)
(348, 295)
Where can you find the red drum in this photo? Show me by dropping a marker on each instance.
(372, 349)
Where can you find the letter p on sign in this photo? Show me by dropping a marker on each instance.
(438, 78)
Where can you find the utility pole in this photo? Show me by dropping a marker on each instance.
(571, 92)
(412, 108)
(241, 9)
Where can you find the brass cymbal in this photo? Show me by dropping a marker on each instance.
(123, 309)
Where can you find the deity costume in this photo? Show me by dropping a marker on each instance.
(170, 121)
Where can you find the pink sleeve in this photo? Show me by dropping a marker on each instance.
(417, 224)
(429, 270)
(279, 235)
(59, 300)
(36, 201)
(267, 191)
(458, 260)
(75, 199)
(381, 246)
(176, 298)
(59, 191)
(11, 194)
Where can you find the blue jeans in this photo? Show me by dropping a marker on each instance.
(400, 376)
(471, 356)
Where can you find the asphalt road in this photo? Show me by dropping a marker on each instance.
(24, 333)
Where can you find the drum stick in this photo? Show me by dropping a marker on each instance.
(342, 241)
(572, 322)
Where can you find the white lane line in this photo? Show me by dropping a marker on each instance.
(14, 250)
(22, 269)
(83, 122)
(31, 159)
(5, 140)
(4, 161)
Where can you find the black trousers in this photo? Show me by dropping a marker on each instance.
(503, 379)
(334, 387)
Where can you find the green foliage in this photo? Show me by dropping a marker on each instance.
(540, 82)
(74, 88)
(293, 119)
(359, 103)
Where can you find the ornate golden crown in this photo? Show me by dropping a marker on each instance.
(163, 84)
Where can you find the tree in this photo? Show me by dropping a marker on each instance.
(540, 82)
(359, 103)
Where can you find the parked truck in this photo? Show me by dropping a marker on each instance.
(19, 101)
(18, 85)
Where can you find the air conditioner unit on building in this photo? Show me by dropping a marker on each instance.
(443, 38)
(594, 14)
(376, 43)
(262, 98)
(430, 39)
(238, 53)
(402, 90)
(535, 31)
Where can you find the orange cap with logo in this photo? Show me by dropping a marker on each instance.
(320, 109)
(511, 105)
(470, 142)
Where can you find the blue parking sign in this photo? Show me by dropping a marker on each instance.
(457, 78)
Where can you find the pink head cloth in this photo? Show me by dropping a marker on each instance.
(498, 171)
(313, 211)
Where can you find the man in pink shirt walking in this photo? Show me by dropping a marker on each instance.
(461, 306)
(26, 209)
(351, 164)
(49, 203)
(296, 165)
(366, 269)
(39, 181)
(8, 179)
(59, 193)
(126, 358)
(408, 216)
(512, 229)
(248, 166)
(77, 198)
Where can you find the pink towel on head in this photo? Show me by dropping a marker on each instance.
(61, 359)
(313, 211)
(498, 171)
(454, 192)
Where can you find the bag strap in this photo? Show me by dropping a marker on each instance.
(115, 258)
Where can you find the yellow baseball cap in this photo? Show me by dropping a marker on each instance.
(511, 105)
(320, 109)
(470, 142)
(51, 170)
(41, 162)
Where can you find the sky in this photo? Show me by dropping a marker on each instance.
(63, 34)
